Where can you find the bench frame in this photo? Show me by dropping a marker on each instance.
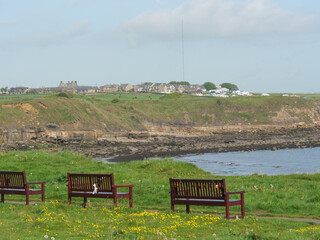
(81, 185)
(204, 192)
(15, 183)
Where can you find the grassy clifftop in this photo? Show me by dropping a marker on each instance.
(115, 112)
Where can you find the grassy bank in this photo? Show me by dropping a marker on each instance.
(131, 111)
(151, 218)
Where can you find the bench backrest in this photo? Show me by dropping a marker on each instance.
(198, 188)
(10, 179)
(84, 182)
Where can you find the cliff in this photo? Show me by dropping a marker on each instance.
(129, 125)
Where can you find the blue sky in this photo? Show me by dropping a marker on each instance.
(259, 45)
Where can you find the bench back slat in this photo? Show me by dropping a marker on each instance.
(198, 188)
(84, 182)
(10, 179)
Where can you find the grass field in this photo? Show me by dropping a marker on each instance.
(151, 218)
(130, 111)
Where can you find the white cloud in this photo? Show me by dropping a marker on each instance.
(210, 18)
(50, 37)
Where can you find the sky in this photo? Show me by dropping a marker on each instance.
(259, 45)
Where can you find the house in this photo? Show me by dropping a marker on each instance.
(86, 89)
(180, 88)
(140, 88)
(125, 87)
(19, 90)
(155, 87)
(166, 88)
(110, 88)
(195, 89)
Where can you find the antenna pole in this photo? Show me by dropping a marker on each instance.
(182, 43)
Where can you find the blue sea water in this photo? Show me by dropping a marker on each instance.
(280, 162)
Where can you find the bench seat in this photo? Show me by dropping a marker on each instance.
(19, 191)
(214, 202)
(99, 194)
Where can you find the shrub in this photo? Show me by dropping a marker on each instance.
(64, 94)
(115, 100)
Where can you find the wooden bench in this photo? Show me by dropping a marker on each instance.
(82, 185)
(16, 183)
(203, 192)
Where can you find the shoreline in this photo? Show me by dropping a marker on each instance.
(141, 145)
(168, 145)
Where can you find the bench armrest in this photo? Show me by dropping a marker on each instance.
(120, 186)
(31, 183)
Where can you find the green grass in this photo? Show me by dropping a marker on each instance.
(133, 111)
(151, 218)
(21, 97)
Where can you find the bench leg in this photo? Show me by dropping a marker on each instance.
(227, 212)
(2, 197)
(188, 208)
(69, 198)
(172, 207)
(27, 199)
(242, 205)
(130, 197)
(242, 211)
(115, 201)
(43, 195)
(84, 202)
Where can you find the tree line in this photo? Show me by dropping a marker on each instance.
(210, 86)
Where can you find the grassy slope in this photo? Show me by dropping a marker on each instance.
(98, 111)
(293, 196)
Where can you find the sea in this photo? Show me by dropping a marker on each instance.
(279, 162)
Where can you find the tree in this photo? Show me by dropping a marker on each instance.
(209, 86)
(180, 83)
(230, 86)
(4, 90)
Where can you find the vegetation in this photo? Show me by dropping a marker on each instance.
(180, 83)
(4, 89)
(64, 94)
(230, 86)
(151, 218)
(115, 100)
(132, 110)
(209, 86)
(171, 96)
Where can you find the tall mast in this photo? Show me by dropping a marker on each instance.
(182, 45)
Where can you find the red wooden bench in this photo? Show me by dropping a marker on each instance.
(16, 183)
(82, 185)
(203, 192)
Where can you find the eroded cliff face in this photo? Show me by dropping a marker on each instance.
(287, 128)
(32, 136)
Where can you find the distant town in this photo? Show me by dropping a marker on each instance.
(207, 89)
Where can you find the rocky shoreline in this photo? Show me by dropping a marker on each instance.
(126, 146)
(140, 146)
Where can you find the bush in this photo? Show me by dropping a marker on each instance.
(65, 94)
(115, 100)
